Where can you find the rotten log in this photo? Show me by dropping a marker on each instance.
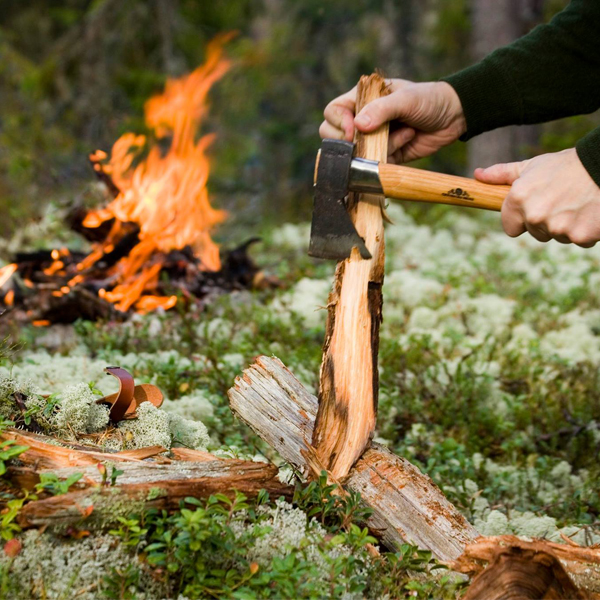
(145, 485)
(155, 483)
(407, 505)
(43, 455)
(523, 570)
(349, 376)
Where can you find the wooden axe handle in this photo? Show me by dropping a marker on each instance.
(406, 183)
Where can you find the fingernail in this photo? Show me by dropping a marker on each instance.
(362, 120)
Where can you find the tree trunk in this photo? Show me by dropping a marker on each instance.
(497, 23)
(349, 377)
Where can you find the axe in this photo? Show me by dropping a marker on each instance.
(338, 172)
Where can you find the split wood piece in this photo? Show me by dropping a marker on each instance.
(349, 378)
(148, 485)
(44, 455)
(523, 570)
(407, 505)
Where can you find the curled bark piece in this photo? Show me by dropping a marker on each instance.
(126, 401)
(124, 398)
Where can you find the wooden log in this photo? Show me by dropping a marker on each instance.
(44, 455)
(349, 377)
(520, 569)
(145, 485)
(407, 505)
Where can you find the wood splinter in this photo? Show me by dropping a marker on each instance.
(349, 377)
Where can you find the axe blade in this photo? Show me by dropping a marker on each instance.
(333, 234)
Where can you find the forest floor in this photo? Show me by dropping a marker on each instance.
(489, 383)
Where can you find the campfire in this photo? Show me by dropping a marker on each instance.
(151, 245)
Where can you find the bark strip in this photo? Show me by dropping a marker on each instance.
(349, 377)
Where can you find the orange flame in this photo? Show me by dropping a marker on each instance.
(7, 272)
(165, 194)
(9, 299)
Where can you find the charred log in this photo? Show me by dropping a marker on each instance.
(74, 221)
(78, 303)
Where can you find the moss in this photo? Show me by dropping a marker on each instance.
(109, 507)
(156, 492)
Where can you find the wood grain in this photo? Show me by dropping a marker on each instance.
(349, 377)
(523, 569)
(405, 183)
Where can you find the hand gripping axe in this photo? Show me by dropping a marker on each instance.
(337, 172)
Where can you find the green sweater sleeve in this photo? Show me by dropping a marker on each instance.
(552, 72)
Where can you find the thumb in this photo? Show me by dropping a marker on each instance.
(502, 173)
(380, 111)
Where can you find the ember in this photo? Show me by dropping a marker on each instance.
(151, 243)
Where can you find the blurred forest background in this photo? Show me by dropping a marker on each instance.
(74, 75)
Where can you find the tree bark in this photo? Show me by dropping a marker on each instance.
(349, 377)
(497, 23)
(42, 455)
(407, 506)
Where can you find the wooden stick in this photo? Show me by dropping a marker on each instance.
(407, 506)
(349, 377)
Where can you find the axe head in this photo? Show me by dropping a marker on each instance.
(332, 233)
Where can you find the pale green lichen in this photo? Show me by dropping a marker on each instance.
(78, 412)
(10, 386)
(288, 529)
(196, 407)
(190, 434)
(151, 428)
(55, 568)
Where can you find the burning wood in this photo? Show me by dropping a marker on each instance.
(151, 243)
